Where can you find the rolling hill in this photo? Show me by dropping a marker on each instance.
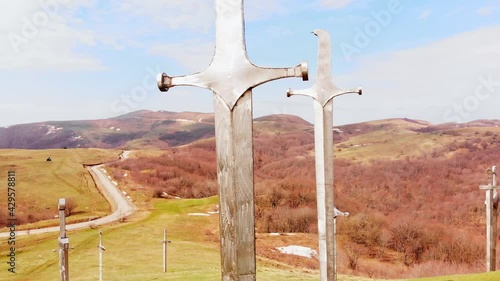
(140, 129)
(147, 129)
(411, 186)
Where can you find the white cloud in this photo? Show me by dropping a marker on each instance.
(429, 80)
(260, 9)
(193, 55)
(45, 35)
(335, 4)
(194, 15)
(455, 11)
(424, 14)
(485, 11)
(175, 14)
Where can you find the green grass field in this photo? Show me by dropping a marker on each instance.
(39, 183)
(134, 251)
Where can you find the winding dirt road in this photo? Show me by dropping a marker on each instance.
(120, 205)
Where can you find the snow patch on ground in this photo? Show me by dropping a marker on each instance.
(183, 120)
(297, 251)
(362, 144)
(199, 214)
(52, 129)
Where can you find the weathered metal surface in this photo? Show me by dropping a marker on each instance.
(165, 242)
(322, 92)
(336, 213)
(231, 77)
(235, 176)
(491, 203)
(63, 242)
(164, 250)
(101, 249)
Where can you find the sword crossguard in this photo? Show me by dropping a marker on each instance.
(323, 89)
(231, 74)
(337, 212)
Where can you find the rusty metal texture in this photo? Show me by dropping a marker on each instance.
(322, 92)
(231, 77)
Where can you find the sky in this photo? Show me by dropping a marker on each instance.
(437, 61)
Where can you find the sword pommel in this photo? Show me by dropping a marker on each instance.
(164, 82)
(304, 71)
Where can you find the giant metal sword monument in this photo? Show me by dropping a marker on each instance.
(323, 91)
(231, 77)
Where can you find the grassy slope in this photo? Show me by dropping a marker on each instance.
(134, 251)
(208, 266)
(491, 276)
(40, 183)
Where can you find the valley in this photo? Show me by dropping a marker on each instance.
(411, 188)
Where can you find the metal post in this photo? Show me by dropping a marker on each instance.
(323, 91)
(101, 249)
(165, 250)
(336, 214)
(491, 219)
(231, 77)
(165, 241)
(63, 242)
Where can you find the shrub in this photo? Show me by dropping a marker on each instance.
(353, 253)
(458, 250)
(362, 229)
(71, 205)
(157, 193)
(411, 240)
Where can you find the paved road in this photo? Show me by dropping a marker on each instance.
(121, 205)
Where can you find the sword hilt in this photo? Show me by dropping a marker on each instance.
(164, 82)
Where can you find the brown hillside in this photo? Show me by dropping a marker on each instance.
(413, 195)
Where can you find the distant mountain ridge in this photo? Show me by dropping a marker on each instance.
(142, 128)
(161, 129)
